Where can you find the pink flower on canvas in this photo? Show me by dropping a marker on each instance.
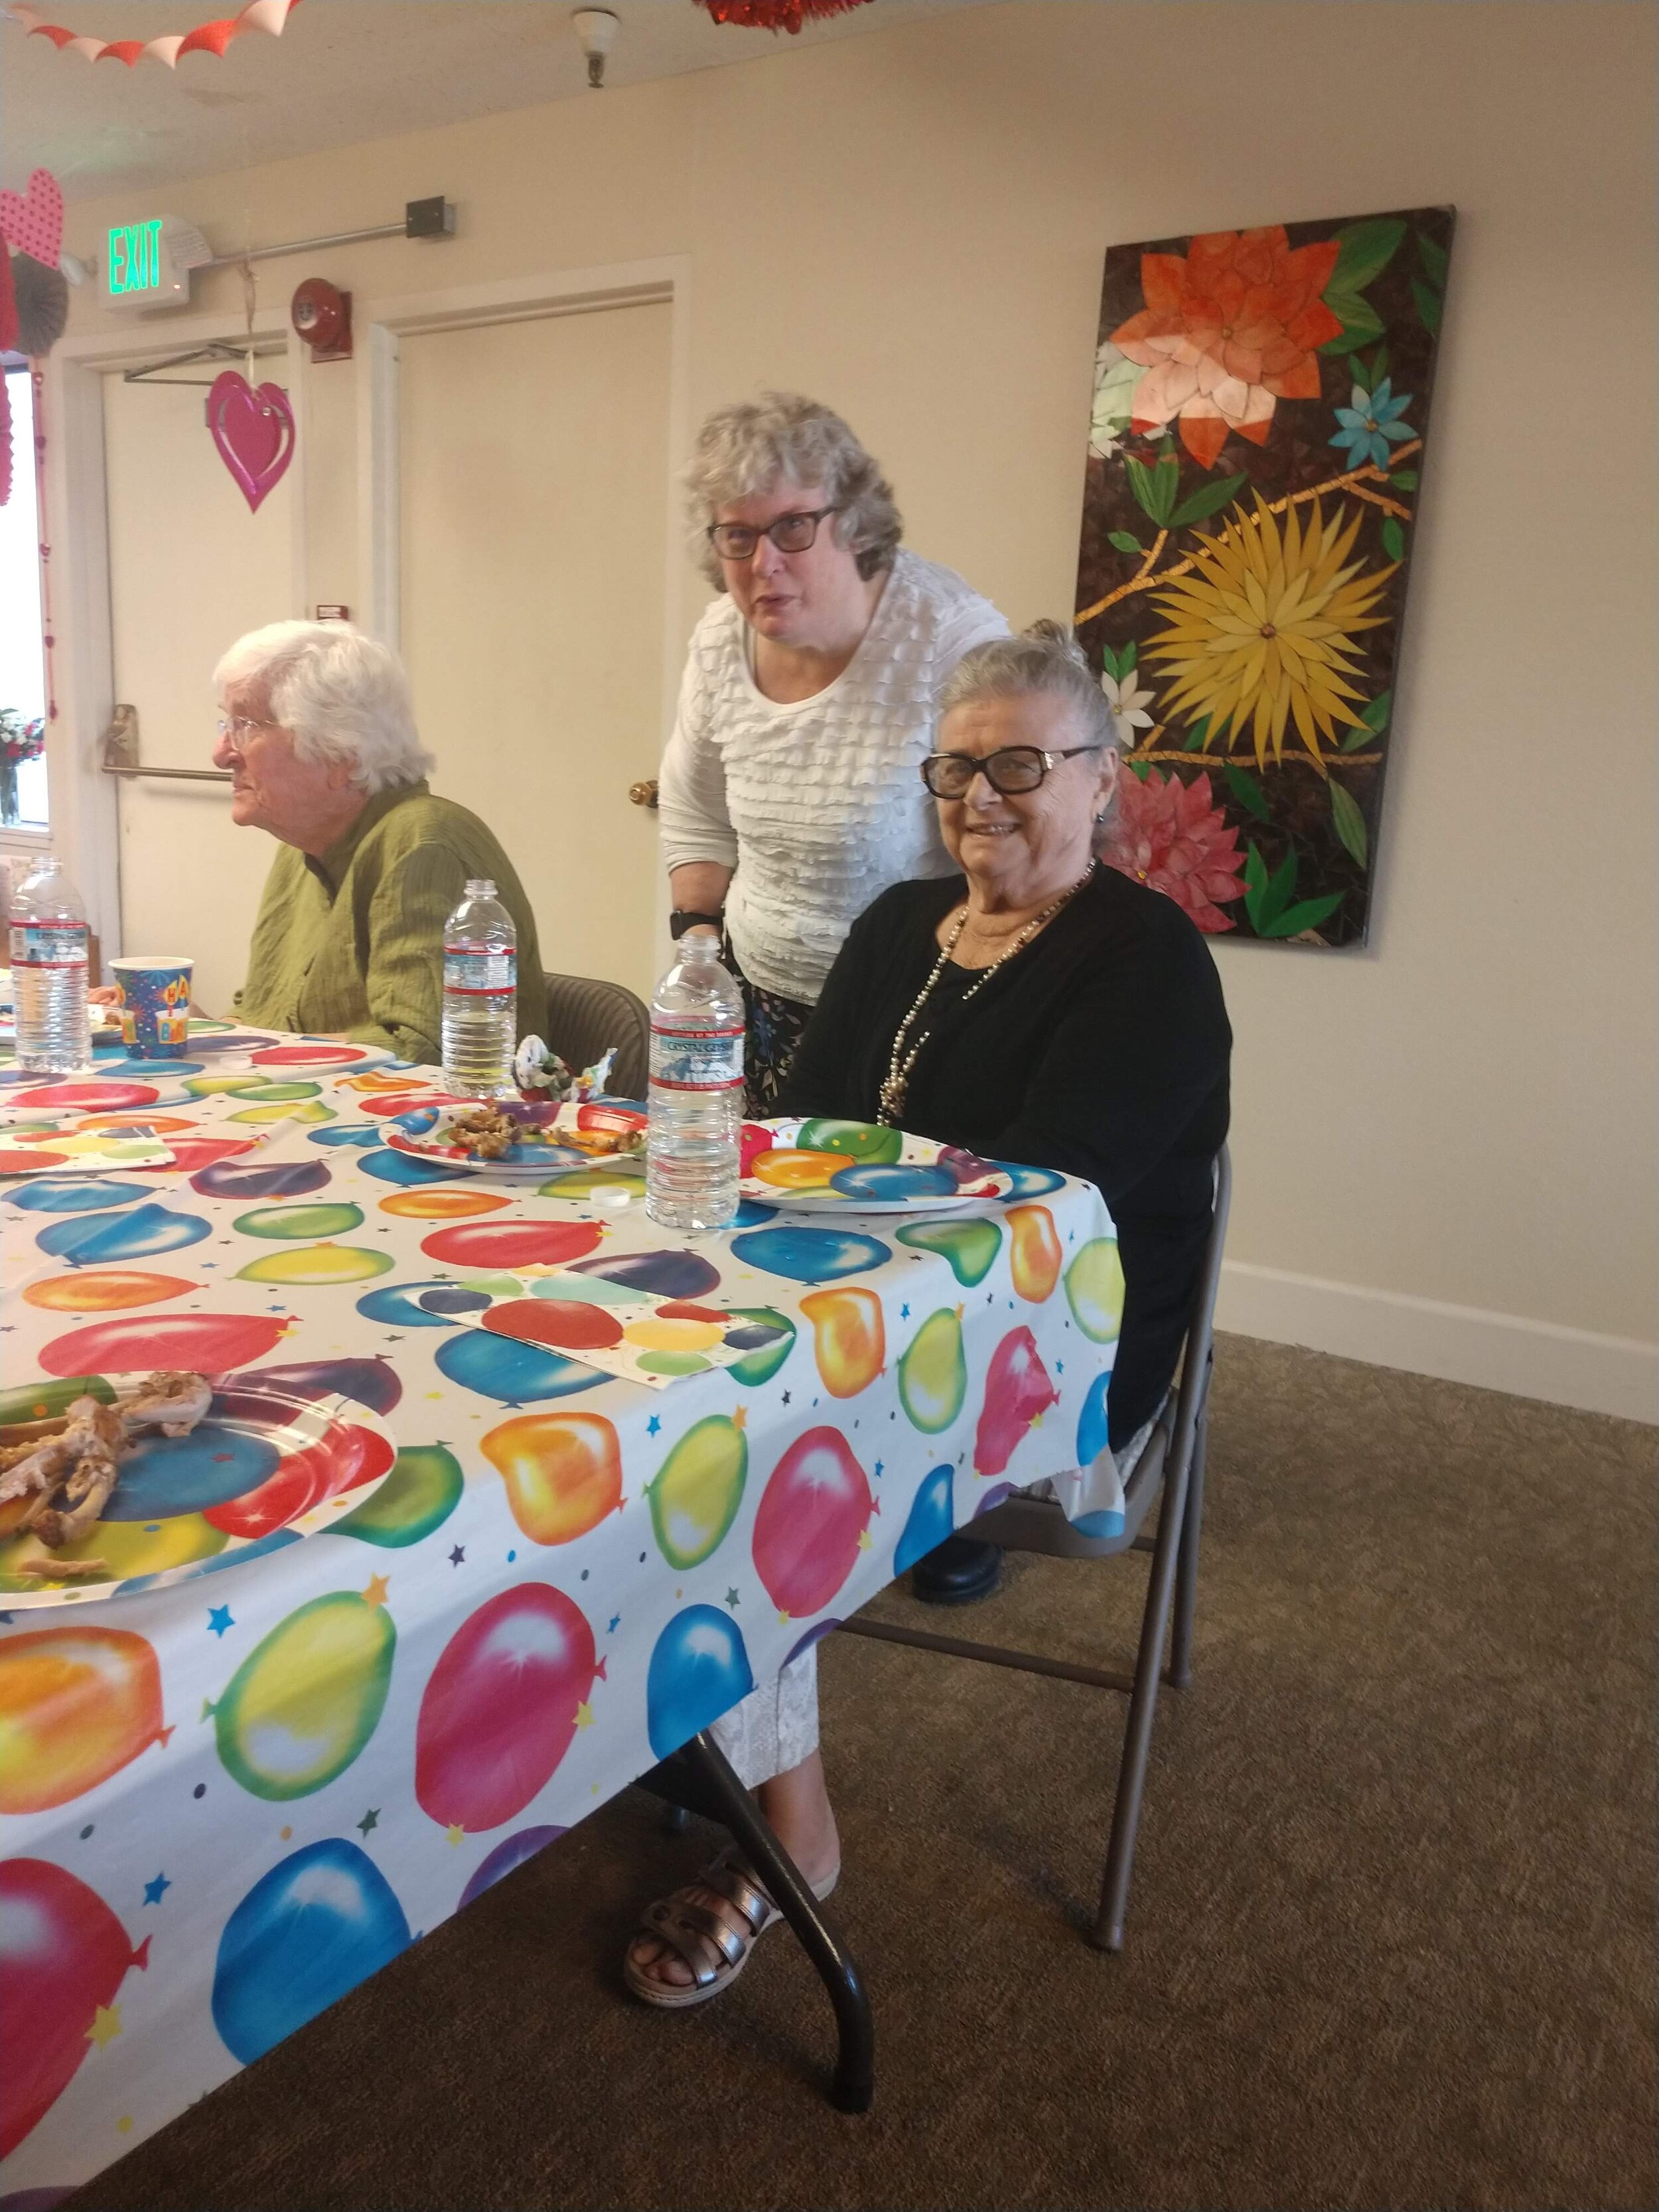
(1227, 332)
(1174, 837)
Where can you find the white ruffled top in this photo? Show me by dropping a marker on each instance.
(819, 806)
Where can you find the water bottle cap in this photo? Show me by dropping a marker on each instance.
(480, 887)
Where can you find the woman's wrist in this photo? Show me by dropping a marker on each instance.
(684, 918)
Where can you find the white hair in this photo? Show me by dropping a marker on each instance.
(1046, 658)
(343, 693)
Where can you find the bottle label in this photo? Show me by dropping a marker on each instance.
(48, 945)
(480, 974)
(698, 1060)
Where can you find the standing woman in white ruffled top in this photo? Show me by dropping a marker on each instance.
(790, 795)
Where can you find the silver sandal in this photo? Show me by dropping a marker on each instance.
(715, 1953)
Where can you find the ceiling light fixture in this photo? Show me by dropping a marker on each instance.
(595, 31)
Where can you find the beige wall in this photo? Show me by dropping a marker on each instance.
(1453, 1126)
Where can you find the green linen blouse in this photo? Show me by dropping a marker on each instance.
(354, 942)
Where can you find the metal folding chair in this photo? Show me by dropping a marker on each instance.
(1171, 1464)
(585, 1017)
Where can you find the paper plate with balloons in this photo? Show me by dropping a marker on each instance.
(269, 1462)
(517, 1140)
(862, 1167)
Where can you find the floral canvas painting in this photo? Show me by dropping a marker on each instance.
(1261, 414)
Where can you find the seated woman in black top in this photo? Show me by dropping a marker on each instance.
(1040, 1008)
(1047, 1009)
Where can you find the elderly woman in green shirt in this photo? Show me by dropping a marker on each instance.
(318, 735)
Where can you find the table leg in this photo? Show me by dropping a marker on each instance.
(699, 1776)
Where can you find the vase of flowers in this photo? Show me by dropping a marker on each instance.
(20, 741)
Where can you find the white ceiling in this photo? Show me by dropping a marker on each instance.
(342, 72)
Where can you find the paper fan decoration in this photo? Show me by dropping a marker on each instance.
(42, 305)
(776, 14)
(268, 15)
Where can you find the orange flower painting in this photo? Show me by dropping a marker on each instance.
(1230, 328)
(1256, 455)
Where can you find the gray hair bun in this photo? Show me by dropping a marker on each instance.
(1046, 631)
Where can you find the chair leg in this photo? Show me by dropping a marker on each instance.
(1137, 1733)
(1186, 1588)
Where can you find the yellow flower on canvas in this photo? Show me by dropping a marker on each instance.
(1261, 631)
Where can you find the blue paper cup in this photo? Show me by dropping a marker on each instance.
(155, 1001)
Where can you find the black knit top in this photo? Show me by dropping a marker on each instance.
(1101, 1049)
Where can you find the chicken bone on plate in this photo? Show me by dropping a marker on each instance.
(81, 1459)
(498, 1129)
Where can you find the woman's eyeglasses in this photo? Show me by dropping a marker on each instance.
(790, 533)
(239, 728)
(1011, 770)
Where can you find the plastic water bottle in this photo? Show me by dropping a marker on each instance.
(691, 1144)
(48, 926)
(481, 996)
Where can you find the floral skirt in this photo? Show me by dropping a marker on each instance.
(774, 1027)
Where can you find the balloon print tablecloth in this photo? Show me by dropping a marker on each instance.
(229, 1799)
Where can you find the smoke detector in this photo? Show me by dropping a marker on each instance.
(596, 32)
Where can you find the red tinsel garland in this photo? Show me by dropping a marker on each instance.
(776, 14)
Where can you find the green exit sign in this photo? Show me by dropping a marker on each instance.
(134, 261)
(148, 265)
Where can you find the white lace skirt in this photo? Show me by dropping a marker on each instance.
(776, 1726)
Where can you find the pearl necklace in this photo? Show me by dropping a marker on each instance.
(898, 1081)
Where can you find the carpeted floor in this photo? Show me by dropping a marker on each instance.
(1390, 1939)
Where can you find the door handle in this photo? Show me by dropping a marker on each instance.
(643, 794)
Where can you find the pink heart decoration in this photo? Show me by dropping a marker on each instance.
(253, 431)
(33, 223)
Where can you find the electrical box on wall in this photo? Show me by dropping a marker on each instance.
(147, 264)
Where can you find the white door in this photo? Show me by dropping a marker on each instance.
(190, 569)
(533, 525)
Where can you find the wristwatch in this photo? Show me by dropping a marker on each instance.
(682, 919)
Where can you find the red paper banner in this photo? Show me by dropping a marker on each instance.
(267, 16)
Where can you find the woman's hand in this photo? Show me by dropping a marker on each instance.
(104, 995)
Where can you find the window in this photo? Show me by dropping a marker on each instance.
(23, 643)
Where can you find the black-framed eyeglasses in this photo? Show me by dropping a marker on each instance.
(1010, 769)
(790, 533)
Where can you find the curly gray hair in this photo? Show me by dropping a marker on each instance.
(343, 693)
(1046, 659)
(782, 438)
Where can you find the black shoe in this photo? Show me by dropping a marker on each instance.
(959, 1572)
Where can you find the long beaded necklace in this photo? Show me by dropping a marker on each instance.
(898, 1080)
